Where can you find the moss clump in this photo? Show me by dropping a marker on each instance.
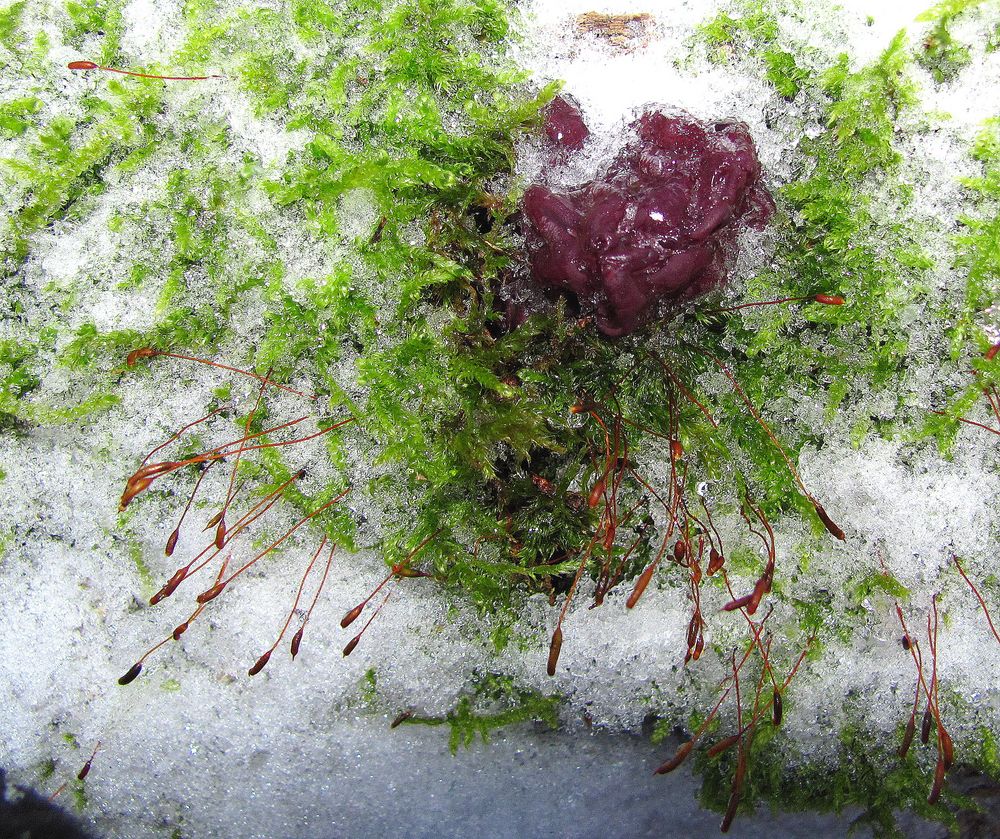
(977, 254)
(494, 702)
(940, 53)
(865, 775)
(978, 245)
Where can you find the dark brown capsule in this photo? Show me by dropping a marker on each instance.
(133, 671)
(179, 630)
(169, 587)
(925, 727)
(211, 593)
(554, 647)
(609, 538)
(715, 561)
(351, 645)
(401, 717)
(699, 646)
(762, 587)
(738, 603)
(680, 550)
(723, 745)
(947, 749)
(351, 616)
(261, 663)
(939, 771)
(829, 523)
(596, 493)
(640, 585)
(693, 626)
(682, 752)
(142, 352)
(296, 640)
(777, 709)
(83, 773)
(220, 534)
(911, 728)
(172, 542)
(907, 642)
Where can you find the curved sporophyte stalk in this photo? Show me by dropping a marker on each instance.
(90, 65)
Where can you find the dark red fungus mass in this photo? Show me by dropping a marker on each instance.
(659, 225)
(564, 124)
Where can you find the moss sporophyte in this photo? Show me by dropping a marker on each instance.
(548, 385)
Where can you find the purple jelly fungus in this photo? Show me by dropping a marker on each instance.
(658, 227)
(564, 124)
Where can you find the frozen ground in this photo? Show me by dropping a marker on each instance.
(195, 748)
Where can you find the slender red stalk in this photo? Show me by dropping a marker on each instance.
(396, 569)
(207, 416)
(687, 394)
(741, 759)
(144, 477)
(555, 646)
(824, 517)
(685, 748)
(218, 588)
(826, 299)
(262, 661)
(979, 597)
(90, 65)
(297, 638)
(220, 528)
(349, 648)
(150, 352)
(259, 509)
(85, 771)
(175, 534)
(969, 422)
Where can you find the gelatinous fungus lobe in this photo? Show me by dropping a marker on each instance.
(660, 224)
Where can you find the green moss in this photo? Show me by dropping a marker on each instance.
(101, 18)
(879, 583)
(16, 115)
(10, 26)
(64, 162)
(977, 253)
(940, 53)
(146, 581)
(978, 245)
(863, 774)
(494, 702)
